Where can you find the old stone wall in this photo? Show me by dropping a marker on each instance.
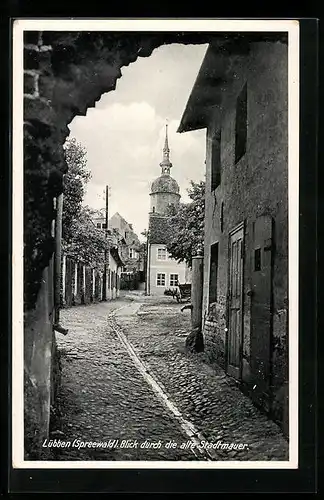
(38, 370)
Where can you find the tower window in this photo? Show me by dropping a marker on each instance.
(153, 210)
(216, 161)
(241, 124)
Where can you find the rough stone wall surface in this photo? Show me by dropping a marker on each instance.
(38, 349)
(256, 185)
(215, 330)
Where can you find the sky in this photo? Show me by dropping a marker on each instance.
(124, 134)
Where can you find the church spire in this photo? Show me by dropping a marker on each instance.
(166, 143)
(166, 164)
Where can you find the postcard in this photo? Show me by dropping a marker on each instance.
(155, 244)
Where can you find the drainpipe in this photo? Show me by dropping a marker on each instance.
(57, 265)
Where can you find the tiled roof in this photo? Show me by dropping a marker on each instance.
(158, 229)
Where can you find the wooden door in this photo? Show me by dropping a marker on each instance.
(235, 303)
(261, 309)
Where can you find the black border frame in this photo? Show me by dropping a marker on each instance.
(303, 479)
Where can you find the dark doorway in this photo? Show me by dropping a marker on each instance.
(213, 275)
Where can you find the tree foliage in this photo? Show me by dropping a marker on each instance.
(88, 243)
(186, 225)
(81, 238)
(74, 184)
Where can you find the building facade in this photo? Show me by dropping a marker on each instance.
(163, 272)
(131, 250)
(241, 98)
(110, 286)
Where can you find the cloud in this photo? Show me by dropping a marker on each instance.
(124, 133)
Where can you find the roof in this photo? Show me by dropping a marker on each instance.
(158, 229)
(216, 74)
(165, 184)
(115, 254)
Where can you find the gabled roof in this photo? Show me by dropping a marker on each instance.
(117, 214)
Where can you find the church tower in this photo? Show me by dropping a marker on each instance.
(163, 272)
(164, 189)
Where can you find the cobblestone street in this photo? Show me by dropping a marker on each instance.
(126, 376)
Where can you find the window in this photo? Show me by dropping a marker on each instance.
(216, 161)
(241, 124)
(153, 209)
(104, 226)
(174, 278)
(160, 279)
(213, 275)
(98, 225)
(132, 253)
(257, 259)
(161, 254)
(222, 217)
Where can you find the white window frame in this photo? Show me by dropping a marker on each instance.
(132, 253)
(165, 253)
(157, 278)
(174, 280)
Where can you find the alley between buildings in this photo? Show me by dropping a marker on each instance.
(126, 376)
